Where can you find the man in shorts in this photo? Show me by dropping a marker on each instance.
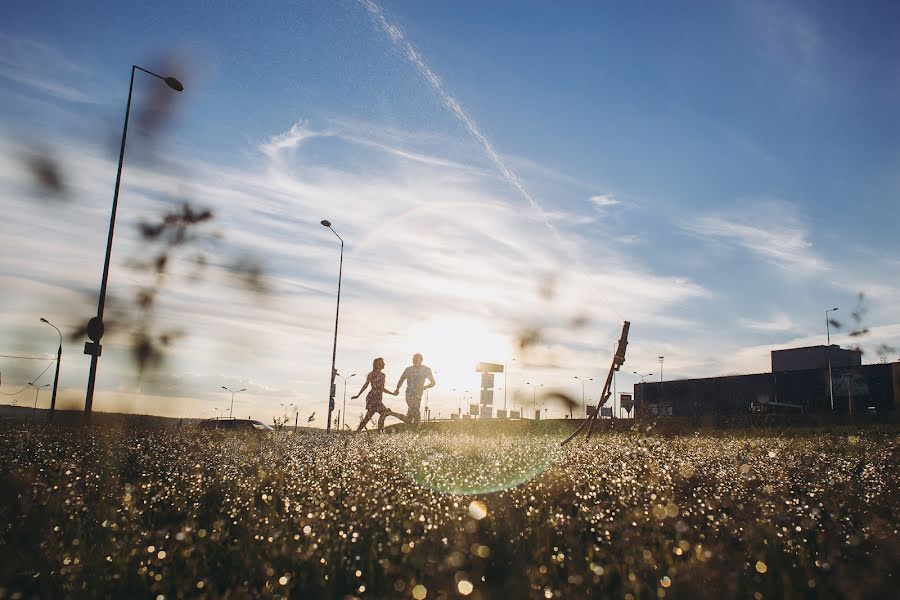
(415, 377)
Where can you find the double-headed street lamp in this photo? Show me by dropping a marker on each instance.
(583, 405)
(37, 390)
(642, 376)
(344, 410)
(233, 392)
(287, 407)
(642, 380)
(55, 377)
(337, 314)
(95, 325)
(534, 395)
(828, 354)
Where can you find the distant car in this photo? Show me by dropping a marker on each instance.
(234, 425)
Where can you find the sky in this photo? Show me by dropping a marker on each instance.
(512, 181)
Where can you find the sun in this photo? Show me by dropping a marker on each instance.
(453, 345)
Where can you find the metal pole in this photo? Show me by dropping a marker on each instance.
(344, 409)
(583, 405)
(828, 354)
(95, 329)
(505, 387)
(37, 391)
(56, 376)
(337, 314)
(231, 410)
(95, 349)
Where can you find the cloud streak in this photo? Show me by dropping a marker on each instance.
(768, 231)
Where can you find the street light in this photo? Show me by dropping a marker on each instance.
(327, 223)
(506, 385)
(286, 408)
(828, 354)
(642, 376)
(37, 390)
(95, 325)
(344, 413)
(55, 377)
(534, 394)
(427, 410)
(233, 392)
(583, 405)
(642, 381)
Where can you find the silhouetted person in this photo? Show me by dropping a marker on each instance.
(415, 377)
(374, 403)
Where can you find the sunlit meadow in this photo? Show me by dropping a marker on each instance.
(171, 513)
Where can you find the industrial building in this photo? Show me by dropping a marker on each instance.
(797, 383)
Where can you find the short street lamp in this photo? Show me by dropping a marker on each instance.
(95, 325)
(344, 411)
(55, 377)
(642, 381)
(37, 390)
(583, 405)
(642, 376)
(233, 392)
(534, 396)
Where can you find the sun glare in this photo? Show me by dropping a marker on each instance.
(452, 346)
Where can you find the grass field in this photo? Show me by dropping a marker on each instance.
(168, 513)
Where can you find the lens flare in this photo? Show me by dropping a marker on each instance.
(470, 464)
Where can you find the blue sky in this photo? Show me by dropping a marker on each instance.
(718, 173)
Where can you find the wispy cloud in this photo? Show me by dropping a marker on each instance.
(603, 200)
(780, 322)
(768, 230)
(288, 140)
(41, 67)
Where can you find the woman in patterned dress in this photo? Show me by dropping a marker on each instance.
(374, 403)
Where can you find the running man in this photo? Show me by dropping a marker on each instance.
(415, 377)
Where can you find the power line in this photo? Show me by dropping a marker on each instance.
(27, 357)
(35, 380)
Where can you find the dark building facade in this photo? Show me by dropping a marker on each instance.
(814, 357)
(857, 388)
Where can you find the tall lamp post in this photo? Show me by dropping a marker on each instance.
(583, 405)
(95, 325)
(55, 377)
(344, 412)
(828, 354)
(233, 392)
(337, 313)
